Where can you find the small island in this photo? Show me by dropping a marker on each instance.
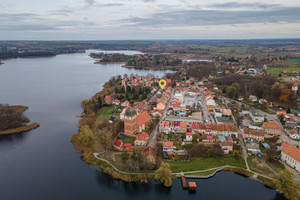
(13, 120)
(140, 61)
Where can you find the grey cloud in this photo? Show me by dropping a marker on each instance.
(217, 17)
(90, 2)
(243, 5)
(29, 27)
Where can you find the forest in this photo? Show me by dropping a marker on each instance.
(10, 118)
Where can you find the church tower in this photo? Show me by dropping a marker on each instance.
(130, 126)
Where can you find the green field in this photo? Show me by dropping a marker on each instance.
(204, 163)
(295, 60)
(279, 70)
(105, 112)
(272, 54)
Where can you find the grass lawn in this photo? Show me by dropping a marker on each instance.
(204, 163)
(129, 139)
(106, 112)
(206, 173)
(277, 166)
(278, 70)
(257, 167)
(295, 60)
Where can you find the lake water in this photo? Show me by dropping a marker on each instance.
(42, 164)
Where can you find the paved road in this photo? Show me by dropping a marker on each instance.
(153, 136)
(206, 114)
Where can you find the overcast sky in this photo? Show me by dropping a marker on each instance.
(148, 19)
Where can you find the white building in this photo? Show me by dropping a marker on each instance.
(256, 116)
(189, 137)
(291, 156)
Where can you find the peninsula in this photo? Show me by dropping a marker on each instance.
(12, 120)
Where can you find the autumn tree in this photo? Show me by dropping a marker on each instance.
(85, 136)
(164, 174)
(284, 95)
(285, 184)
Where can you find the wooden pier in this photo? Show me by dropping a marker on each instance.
(183, 182)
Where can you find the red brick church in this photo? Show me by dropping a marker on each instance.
(135, 123)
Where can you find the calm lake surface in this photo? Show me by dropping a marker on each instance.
(42, 164)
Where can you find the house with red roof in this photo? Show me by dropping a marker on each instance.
(108, 99)
(189, 137)
(168, 146)
(294, 134)
(141, 139)
(295, 87)
(272, 128)
(291, 156)
(125, 103)
(227, 146)
(118, 144)
(281, 112)
(183, 127)
(116, 102)
(253, 132)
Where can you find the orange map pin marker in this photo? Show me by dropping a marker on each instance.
(162, 83)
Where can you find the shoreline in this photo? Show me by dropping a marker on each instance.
(20, 129)
(154, 68)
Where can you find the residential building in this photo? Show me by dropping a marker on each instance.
(291, 156)
(141, 139)
(294, 135)
(227, 146)
(168, 146)
(118, 144)
(189, 137)
(255, 116)
(253, 132)
(272, 128)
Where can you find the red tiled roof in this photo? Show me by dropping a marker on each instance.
(189, 133)
(285, 144)
(142, 118)
(168, 144)
(183, 124)
(271, 125)
(252, 131)
(195, 126)
(293, 152)
(144, 134)
(118, 143)
(127, 145)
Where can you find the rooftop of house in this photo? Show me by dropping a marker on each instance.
(251, 131)
(293, 152)
(272, 125)
(255, 113)
(168, 144)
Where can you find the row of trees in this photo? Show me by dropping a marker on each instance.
(262, 87)
(9, 118)
(200, 150)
